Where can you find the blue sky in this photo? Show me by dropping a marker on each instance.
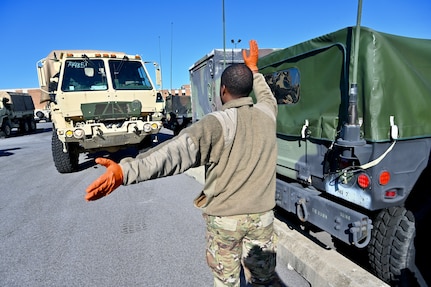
(178, 33)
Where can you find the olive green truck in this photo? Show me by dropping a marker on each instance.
(353, 142)
(16, 112)
(99, 100)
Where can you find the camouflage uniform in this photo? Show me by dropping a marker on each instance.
(248, 240)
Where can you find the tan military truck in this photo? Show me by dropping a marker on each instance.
(16, 112)
(99, 100)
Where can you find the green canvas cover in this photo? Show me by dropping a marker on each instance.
(394, 79)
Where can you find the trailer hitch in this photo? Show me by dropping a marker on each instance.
(360, 229)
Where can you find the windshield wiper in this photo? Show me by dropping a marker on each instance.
(117, 71)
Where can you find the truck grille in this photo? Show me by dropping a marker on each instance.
(111, 110)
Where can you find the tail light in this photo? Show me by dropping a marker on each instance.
(391, 193)
(363, 180)
(384, 177)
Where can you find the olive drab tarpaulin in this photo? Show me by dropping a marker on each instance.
(394, 80)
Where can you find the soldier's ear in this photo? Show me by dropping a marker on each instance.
(222, 89)
(223, 94)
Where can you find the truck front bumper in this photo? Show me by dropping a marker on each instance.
(101, 135)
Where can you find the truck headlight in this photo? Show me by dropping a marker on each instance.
(147, 127)
(79, 133)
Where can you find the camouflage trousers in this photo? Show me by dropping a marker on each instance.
(246, 241)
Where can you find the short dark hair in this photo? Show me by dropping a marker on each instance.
(238, 79)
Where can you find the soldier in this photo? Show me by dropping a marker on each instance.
(238, 147)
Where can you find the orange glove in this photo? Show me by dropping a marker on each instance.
(251, 60)
(107, 182)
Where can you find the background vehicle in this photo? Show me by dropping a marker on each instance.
(42, 114)
(99, 100)
(178, 110)
(16, 112)
(354, 142)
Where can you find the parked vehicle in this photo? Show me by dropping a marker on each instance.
(42, 114)
(98, 100)
(353, 153)
(178, 111)
(16, 112)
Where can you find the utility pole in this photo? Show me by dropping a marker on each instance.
(224, 38)
(160, 66)
(172, 25)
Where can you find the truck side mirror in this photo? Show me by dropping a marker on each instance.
(158, 77)
(41, 76)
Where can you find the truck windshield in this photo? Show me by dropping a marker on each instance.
(84, 75)
(129, 75)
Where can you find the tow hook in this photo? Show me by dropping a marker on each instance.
(301, 210)
(100, 133)
(136, 130)
(359, 230)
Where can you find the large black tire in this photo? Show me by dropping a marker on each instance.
(65, 162)
(40, 115)
(24, 126)
(7, 129)
(391, 251)
(32, 123)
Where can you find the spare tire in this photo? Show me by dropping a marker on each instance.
(40, 115)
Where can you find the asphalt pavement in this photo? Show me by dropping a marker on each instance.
(147, 234)
(52, 237)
